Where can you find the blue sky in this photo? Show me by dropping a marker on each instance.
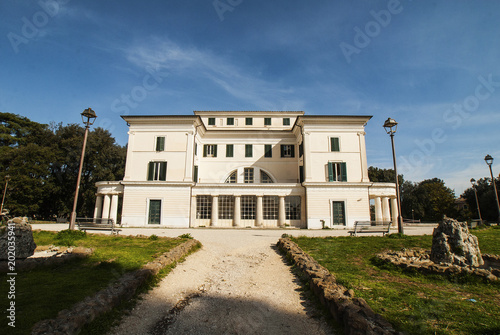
(431, 65)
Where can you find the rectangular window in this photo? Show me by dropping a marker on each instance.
(160, 143)
(337, 171)
(157, 171)
(248, 204)
(226, 207)
(301, 174)
(248, 150)
(195, 174)
(286, 121)
(211, 121)
(270, 207)
(210, 150)
(268, 150)
(154, 216)
(267, 121)
(334, 144)
(229, 150)
(204, 207)
(287, 150)
(248, 121)
(292, 208)
(248, 176)
(230, 121)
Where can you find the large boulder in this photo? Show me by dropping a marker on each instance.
(18, 232)
(452, 243)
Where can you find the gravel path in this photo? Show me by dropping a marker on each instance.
(236, 284)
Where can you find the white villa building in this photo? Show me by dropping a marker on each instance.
(246, 169)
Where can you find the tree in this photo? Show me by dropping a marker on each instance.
(43, 163)
(383, 175)
(26, 155)
(486, 197)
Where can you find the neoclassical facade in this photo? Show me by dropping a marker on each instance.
(245, 169)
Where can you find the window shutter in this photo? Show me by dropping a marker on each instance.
(282, 151)
(343, 171)
(215, 150)
(195, 174)
(205, 150)
(151, 170)
(160, 143)
(163, 171)
(248, 150)
(229, 150)
(335, 144)
(292, 150)
(330, 171)
(301, 149)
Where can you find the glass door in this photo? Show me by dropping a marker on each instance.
(154, 211)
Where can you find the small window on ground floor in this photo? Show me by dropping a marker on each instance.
(204, 207)
(270, 207)
(248, 204)
(226, 207)
(292, 207)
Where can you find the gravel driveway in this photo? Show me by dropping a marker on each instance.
(236, 284)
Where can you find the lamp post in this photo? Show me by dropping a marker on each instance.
(474, 184)
(489, 161)
(390, 127)
(88, 118)
(7, 178)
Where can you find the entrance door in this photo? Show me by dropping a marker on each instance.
(154, 211)
(338, 213)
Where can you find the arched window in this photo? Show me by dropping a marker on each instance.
(265, 178)
(232, 178)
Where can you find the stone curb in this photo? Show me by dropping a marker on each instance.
(70, 321)
(353, 313)
(419, 260)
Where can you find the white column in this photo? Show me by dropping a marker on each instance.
(378, 209)
(307, 157)
(237, 211)
(386, 214)
(98, 207)
(394, 205)
(193, 212)
(215, 210)
(188, 171)
(259, 217)
(281, 212)
(113, 212)
(105, 207)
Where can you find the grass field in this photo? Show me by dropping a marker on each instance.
(412, 302)
(41, 293)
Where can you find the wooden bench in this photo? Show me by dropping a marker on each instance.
(361, 227)
(85, 224)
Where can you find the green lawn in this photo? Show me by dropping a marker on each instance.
(413, 303)
(42, 293)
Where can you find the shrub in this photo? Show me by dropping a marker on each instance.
(188, 235)
(153, 237)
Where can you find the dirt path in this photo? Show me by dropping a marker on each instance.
(237, 284)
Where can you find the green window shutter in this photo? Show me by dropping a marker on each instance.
(215, 150)
(286, 121)
(343, 171)
(248, 121)
(195, 174)
(151, 170)
(292, 149)
(248, 150)
(211, 121)
(230, 121)
(267, 121)
(229, 150)
(205, 146)
(335, 144)
(163, 171)
(330, 171)
(268, 150)
(160, 143)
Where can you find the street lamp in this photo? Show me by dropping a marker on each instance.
(7, 179)
(474, 185)
(489, 161)
(88, 118)
(390, 127)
